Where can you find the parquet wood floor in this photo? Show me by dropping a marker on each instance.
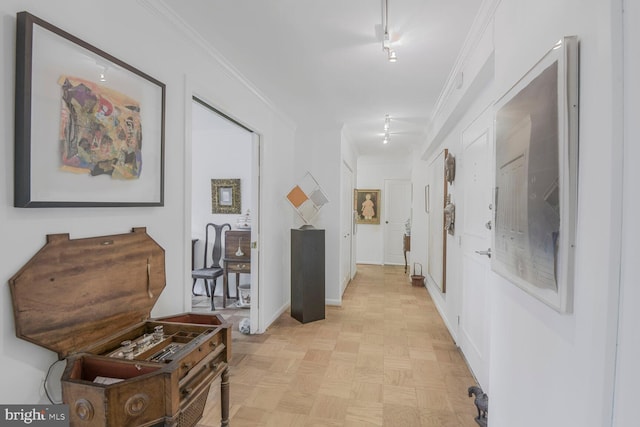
(385, 358)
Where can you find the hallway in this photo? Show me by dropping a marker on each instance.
(384, 358)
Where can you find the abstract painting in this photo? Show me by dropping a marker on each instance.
(101, 130)
(89, 128)
(536, 178)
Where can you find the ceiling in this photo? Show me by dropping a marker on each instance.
(321, 62)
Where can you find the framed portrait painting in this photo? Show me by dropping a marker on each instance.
(89, 127)
(536, 178)
(367, 206)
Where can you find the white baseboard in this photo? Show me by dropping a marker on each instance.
(437, 300)
(278, 313)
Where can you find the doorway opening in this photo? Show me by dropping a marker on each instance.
(224, 189)
(397, 217)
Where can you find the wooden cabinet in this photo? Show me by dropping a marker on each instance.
(307, 275)
(237, 245)
(237, 259)
(89, 300)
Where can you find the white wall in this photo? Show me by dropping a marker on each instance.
(548, 368)
(627, 372)
(151, 43)
(531, 343)
(419, 218)
(350, 158)
(448, 303)
(372, 172)
(319, 152)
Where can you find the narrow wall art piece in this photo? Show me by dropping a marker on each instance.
(436, 198)
(536, 178)
(89, 127)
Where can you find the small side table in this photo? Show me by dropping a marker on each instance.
(406, 247)
(234, 266)
(237, 259)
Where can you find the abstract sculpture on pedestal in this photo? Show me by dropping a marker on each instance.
(307, 253)
(307, 198)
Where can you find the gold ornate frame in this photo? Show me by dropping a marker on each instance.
(225, 196)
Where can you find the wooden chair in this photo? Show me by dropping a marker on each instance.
(193, 267)
(211, 273)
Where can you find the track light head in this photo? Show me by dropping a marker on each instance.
(386, 43)
(387, 124)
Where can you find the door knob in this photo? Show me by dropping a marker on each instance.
(488, 225)
(487, 252)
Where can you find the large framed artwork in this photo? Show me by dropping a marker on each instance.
(436, 200)
(367, 206)
(536, 128)
(89, 127)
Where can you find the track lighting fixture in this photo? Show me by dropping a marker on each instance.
(387, 125)
(386, 41)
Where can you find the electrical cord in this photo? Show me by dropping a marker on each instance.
(46, 383)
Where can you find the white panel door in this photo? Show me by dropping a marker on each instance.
(473, 330)
(397, 210)
(256, 316)
(346, 225)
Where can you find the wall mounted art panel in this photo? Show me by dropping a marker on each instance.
(536, 178)
(437, 200)
(89, 127)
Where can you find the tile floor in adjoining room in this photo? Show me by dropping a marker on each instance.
(385, 358)
(232, 313)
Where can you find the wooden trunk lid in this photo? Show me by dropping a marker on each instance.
(73, 293)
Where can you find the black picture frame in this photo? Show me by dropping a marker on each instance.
(49, 61)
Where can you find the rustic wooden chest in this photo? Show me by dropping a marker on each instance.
(89, 300)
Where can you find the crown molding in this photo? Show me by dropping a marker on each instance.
(160, 9)
(480, 24)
